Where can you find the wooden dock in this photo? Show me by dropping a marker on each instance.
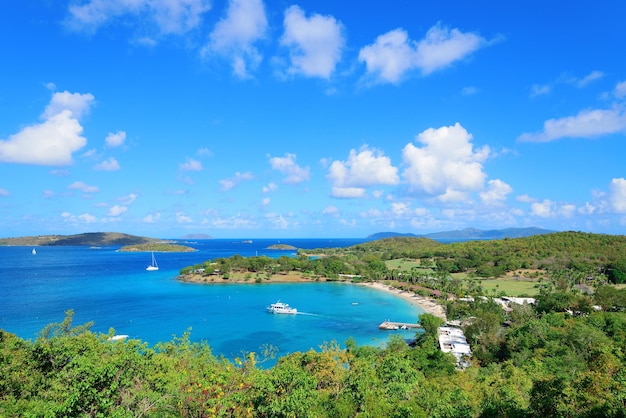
(390, 325)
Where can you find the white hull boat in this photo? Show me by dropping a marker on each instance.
(281, 308)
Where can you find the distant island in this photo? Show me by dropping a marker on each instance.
(162, 247)
(469, 234)
(95, 239)
(281, 247)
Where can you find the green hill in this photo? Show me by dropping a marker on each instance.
(86, 239)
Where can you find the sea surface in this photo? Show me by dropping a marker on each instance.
(112, 289)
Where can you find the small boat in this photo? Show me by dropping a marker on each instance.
(34, 251)
(117, 338)
(281, 308)
(153, 266)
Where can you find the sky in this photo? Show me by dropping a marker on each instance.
(311, 119)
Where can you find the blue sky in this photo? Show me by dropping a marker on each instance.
(250, 118)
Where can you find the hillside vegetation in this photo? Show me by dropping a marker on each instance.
(562, 356)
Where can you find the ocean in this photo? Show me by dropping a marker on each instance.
(112, 289)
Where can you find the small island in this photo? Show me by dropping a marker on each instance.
(282, 247)
(162, 247)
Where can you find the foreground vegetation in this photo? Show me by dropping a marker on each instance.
(564, 356)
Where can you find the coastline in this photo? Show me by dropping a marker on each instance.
(428, 305)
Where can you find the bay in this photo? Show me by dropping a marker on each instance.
(112, 289)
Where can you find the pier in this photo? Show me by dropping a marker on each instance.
(390, 325)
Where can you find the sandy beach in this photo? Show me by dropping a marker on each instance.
(429, 305)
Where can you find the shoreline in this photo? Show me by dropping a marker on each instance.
(428, 305)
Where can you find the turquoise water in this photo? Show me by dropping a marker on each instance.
(113, 289)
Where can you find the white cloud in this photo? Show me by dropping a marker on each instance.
(394, 54)
(550, 209)
(287, 166)
(497, 192)
(368, 167)
(53, 141)
(617, 196)
(152, 218)
(331, 211)
(588, 123)
(76, 103)
(167, 16)
(270, 187)
(85, 188)
(592, 76)
(400, 209)
(110, 164)
(117, 210)
(84, 218)
(347, 192)
(446, 165)
(181, 218)
(525, 199)
(228, 184)
(315, 43)
(115, 139)
(87, 218)
(4, 193)
(191, 165)
(277, 221)
(234, 36)
(129, 199)
(266, 201)
(620, 90)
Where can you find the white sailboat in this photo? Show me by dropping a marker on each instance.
(34, 251)
(153, 266)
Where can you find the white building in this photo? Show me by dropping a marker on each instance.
(452, 340)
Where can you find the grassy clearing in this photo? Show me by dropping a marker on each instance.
(511, 287)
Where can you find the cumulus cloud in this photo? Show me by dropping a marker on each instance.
(550, 209)
(365, 168)
(270, 187)
(85, 188)
(315, 44)
(166, 16)
(446, 165)
(83, 218)
(496, 192)
(152, 217)
(191, 165)
(235, 35)
(117, 210)
(115, 139)
(393, 54)
(229, 183)
(287, 165)
(53, 141)
(109, 164)
(617, 195)
(587, 124)
(181, 218)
